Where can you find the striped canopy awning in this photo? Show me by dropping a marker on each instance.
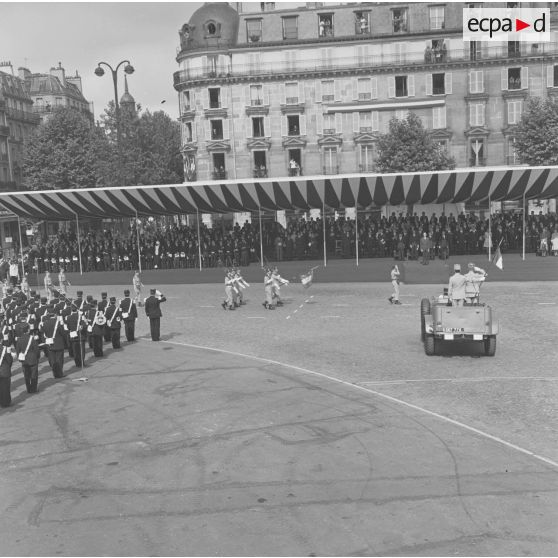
(305, 192)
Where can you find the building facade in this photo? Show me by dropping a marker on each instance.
(55, 89)
(308, 90)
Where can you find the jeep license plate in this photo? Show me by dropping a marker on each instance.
(477, 337)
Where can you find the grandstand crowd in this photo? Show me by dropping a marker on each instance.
(403, 237)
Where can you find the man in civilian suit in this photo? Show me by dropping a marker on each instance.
(153, 311)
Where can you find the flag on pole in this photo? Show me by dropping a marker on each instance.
(497, 259)
(307, 278)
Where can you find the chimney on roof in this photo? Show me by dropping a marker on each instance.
(59, 73)
(76, 80)
(23, 73)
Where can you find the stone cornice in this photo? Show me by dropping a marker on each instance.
(257, 110)
(219, 145)
(477, 131)
(258, 143)
(215, 113)
(293, 109)
(330, 139)
(293, 141)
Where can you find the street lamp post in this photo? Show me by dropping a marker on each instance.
(129, 69)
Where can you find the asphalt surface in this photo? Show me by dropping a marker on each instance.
(319, 428)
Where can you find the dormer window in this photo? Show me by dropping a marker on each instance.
(325, 25)
(212, 29)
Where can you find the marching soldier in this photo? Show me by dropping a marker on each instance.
(114, 319)
(276, 285)
(153, 311)
(96, 327)
(129, 315)
(41, 309)
(52, 331)
(27, 349)
(268, 289)
(6, 361)
(64, 313)
(77, 328)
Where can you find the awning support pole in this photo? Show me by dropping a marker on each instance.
(138, 241)
(199, 238)
(356, 232)
(261, 237)
(79, 245)
(523, 233)
(324, 231)
(21, 248)
(489, 229)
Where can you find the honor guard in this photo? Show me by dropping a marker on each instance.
(77, 329)
(276, 286)
(64, 313)
(96, 328)
(228, 303)
(153, 311)
(53, 337)
(114, 322)
(103, 305)
(6, 361)
(129, 315)
(27, 349)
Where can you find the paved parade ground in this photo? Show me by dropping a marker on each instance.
(319, 428)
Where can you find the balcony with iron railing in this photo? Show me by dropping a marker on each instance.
(259, 173)
(366, 167)
(295, 171)
(411, 58)
(330, 169)
(219, 175)
(477, 162)
(25, 116)
(512, 160)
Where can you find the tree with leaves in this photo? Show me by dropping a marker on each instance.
(536, 135)
(409, 147)
(64, 152)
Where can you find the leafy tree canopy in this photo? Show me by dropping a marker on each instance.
(408, 147)
(536, 136)
(64, 152)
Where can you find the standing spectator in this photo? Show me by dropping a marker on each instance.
(278, 248)
(425, 249)
(14, 272)
(48, 286)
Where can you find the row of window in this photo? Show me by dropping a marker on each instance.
(364, 89)
(325, 23)
(331, 158)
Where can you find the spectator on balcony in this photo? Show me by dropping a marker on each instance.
(428, 56)
(363, 24)
(294, 168)
(322, 28)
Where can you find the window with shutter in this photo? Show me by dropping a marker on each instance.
(364, 89)
(290, 27)
(329, 123)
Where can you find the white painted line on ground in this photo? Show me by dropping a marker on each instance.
(485, 379)
(256, 317)
(331, 316)
(301, 305)
(288, 317)
(546, 303)
(378, 394)
(207, 306)
(296, 311)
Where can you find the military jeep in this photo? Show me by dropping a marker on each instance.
(443, 323)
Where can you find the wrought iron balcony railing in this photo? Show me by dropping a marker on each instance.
(331, 169)
(416, 57)
(260, 173)
(219, 175)
(295, 172)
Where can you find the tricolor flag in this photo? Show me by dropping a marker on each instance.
(497, 259)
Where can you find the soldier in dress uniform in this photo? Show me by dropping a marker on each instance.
(228, 303)
(153, 312)
(114, 322)
(129, 315)
(77, 328)
(96, 328)
(6, 361)
(27, 349)
(268, 290)
(53, 334)
(64, 313)
(103, 306)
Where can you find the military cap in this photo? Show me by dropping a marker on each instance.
(56, 294)
(456, 267)
(44, 300)
(104, 295)
(94, 302)
(112, 299)
(152, 291)
(79, 294)
(32, 293)
(127, 292)
(89, 298)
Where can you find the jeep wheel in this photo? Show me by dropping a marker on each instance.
(490, 345)
(429, 345)
(424, 311)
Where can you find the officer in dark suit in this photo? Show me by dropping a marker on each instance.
(103, 306)
(129, 315)
(153, 311)
(6, 361)
(114, 322)
(96, 328)
(27, 349)
(52, 330)
(77, 328)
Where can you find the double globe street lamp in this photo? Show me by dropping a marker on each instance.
(128, 69)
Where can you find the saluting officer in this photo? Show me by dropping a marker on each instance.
(114, 319)
(153, 311)
(129, 315)
(52, 331)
